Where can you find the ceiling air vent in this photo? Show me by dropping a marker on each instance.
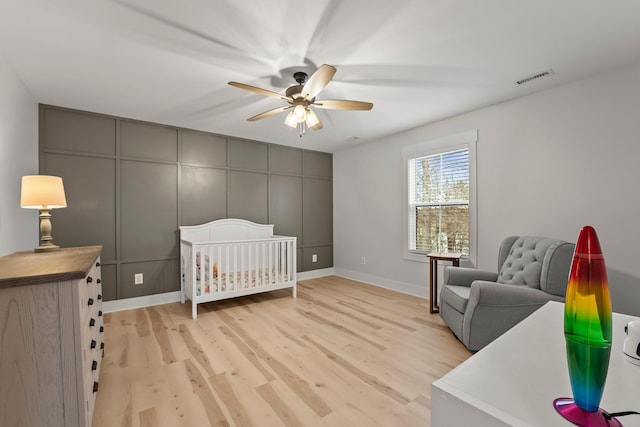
(537, 76)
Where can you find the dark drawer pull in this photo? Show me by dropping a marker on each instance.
(94, 365)
(97, 264)
(101, 329)
(100, 313)
(98, 281)
(101, 346)
(90, 301)
(99, 296)
(89, 279)
(93, 344)
(95, 386)
(92, 322)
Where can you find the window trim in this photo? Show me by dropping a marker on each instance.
(457, 141)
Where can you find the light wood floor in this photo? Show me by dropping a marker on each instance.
(342, 354)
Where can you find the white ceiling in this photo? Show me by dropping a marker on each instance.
(417, 61)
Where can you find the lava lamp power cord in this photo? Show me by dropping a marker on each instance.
(609, 415)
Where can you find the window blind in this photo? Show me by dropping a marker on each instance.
(439, 202)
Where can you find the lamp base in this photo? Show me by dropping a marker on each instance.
(578, 416)
(47, 248)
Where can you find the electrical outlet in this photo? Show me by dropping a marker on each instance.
(138, 279)
(314, 258)
(363, 260)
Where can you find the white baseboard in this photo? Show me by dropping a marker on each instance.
(313, 274)
(169, 297)
(394, 285)
(139, 302)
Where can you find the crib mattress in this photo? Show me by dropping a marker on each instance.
(239, 280)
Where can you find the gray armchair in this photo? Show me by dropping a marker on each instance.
(479, 306)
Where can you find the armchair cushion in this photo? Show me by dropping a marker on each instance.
(457, 296)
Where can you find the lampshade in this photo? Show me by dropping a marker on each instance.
(312, 119)
(40, 191)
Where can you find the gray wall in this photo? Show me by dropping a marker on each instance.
(18, 157)
(547, 164)
(129, 184)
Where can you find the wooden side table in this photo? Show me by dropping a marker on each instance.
(434, 257)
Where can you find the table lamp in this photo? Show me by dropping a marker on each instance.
(43, 192)
(587, 331)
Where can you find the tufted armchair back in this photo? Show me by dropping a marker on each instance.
(535, 262)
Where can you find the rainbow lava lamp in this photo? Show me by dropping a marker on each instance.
(587, 332)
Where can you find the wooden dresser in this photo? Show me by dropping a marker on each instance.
(51, 337)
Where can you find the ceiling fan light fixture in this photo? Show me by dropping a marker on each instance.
(312, 119)
(300, 113)
(291, 120)
(301, 97)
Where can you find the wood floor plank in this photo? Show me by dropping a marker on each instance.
(365, 377)
(201, 389)
(196, 351)
(248, 353)
(340, 327)
(348, 396)
(142, 324)
(281, 408)
(161, 335)
(295, 382)
(342, 353)
(148, 418)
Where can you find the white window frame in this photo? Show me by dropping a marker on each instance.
(463, 140)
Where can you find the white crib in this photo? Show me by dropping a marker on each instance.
(229, 258)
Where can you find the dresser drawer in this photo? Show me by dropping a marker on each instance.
(91, 335)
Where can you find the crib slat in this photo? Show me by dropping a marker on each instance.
(289, 260)
(243, 272)
(294, 260)
(281, 266)
(220, 268)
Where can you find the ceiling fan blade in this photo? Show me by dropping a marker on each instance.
(318, 81)
(312, 120)
(268, 113)
(259, 90)
(343, 104)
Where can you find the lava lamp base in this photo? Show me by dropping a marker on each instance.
(578, 416)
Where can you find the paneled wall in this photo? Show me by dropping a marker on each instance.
(130, 184)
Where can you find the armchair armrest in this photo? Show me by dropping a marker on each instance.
(463, 276)
(498, 294)
(494, 308)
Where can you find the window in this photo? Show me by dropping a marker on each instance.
(440, 196)
(439, 202)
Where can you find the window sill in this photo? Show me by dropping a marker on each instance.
(417, 257)
(422, 257)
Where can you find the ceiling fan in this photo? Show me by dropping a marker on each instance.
(302, 96)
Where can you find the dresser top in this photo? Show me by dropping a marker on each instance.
(31, 268)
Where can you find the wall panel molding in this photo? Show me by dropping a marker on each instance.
(130, 184)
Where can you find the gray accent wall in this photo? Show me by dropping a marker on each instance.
(130, 184)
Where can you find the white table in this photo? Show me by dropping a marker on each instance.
(514, 380)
